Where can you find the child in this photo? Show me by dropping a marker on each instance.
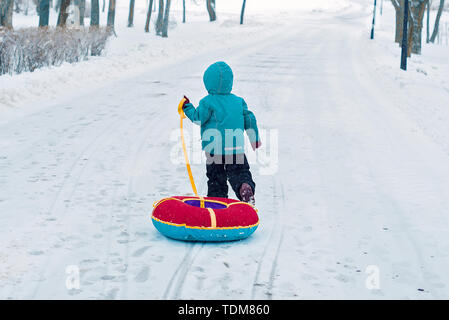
(223, 117)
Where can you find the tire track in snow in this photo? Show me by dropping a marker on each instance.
(266, 268)
(112, 289)
(89, 148)
(177, 280)
(278, 248)
(86, 153)
(128, 203)
(182, 276)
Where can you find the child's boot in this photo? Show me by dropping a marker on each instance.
(246, 193)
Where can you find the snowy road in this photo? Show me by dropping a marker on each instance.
(359, 186)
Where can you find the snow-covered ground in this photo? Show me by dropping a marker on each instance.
(362, 186)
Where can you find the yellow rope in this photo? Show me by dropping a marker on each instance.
(184, 149)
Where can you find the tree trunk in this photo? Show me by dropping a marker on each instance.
(399, 25)
(9, 13)
(44, 12)
(95, 13)
(399, 8)
(81, 5)
(160, 17)
(410, 33)
(437, 22)
(6, 11)
(183, 11)
(404, 51)
(131, 13)
(111, 15)
(418, 9)
(374, 20)
(104, 5)
(211, 9)
(150, 10)
(166, 19)
(57, 5)
(63, 15)
(82, 8)
(2, 18)
(416, 17)
(428, 23)
(242, 14)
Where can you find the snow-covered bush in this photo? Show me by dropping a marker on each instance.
(28, 49)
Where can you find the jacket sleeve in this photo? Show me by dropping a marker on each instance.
(250, 124)
(198, 115)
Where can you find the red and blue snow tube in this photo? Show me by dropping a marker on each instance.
(204, 218)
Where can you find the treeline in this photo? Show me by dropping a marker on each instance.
(92, 9)
(31, 48)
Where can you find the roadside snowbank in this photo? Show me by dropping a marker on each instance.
(421, 92)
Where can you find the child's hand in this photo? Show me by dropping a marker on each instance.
(185, 102)
(256, 145)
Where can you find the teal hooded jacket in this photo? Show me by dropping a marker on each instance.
(223, 116)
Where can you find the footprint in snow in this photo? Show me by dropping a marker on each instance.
(112, 294)
(140, 251)
(36, 252)
(74, 291)
(142, 276)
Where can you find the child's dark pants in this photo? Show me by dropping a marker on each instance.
(221, 168)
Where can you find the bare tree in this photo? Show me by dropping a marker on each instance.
(183, 11)
(399, 8)
(150, 10)
(242, 14)
(82, 8)
(63, 14)
(23, 6)
(210, 4)
(57, 5)
(373, 25)
(437, 22)
(414, 30)
(404, 44)
(44, 12)
(428, 22)
(81, 4)
(111, 15)
(131, 13)
(160, 17)
(166, 19)
(95, 13)
(95, 24)
(418, 8)
(6, 11)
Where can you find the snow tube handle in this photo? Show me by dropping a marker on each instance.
(180, 110)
